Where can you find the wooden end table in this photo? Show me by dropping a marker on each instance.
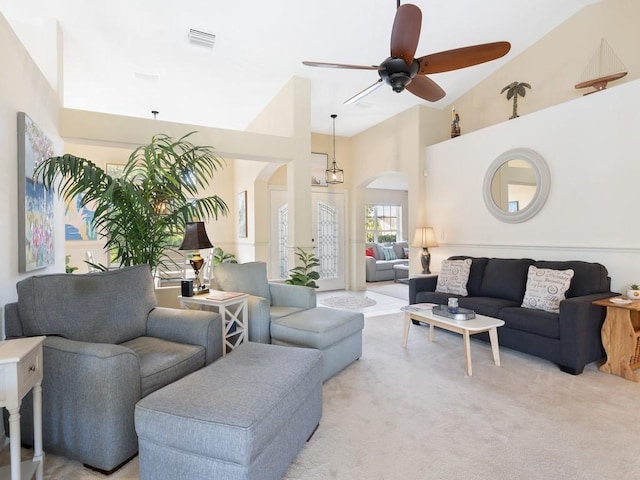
(621, 338)
(233, 310)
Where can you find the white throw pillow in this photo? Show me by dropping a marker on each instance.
(453, 277)
(546, 288)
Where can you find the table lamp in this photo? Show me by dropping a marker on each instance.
(195, 238)
(425, 238)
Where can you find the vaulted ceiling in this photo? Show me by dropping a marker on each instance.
(131, 57)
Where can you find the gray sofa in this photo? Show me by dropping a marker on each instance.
(496, 287)
(107, 346)
(378, 268)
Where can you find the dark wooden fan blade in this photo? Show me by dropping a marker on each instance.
(363, 93)
(342, 65)
(406, 32)
(426, 88)
(462, 57)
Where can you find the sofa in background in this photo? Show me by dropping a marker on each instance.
(107, 346)
(381, 257)
(496, 287)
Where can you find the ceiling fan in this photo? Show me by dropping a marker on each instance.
(403, 71)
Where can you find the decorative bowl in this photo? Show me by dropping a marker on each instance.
(633, 294)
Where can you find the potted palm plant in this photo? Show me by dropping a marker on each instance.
(141, 214)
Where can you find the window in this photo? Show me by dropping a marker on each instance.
(383, 223)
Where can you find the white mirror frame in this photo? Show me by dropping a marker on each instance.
(543, 185)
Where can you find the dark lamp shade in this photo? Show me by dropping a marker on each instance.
(195, 237)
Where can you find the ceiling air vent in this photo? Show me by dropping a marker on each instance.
(201, 38)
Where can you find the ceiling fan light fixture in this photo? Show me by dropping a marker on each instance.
(334, 175)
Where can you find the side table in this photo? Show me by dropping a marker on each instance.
(234, 312)
(621, 338)
(21, 371)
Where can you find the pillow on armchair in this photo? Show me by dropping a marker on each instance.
(250, 277)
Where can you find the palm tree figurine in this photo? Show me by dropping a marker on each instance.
(514, 90)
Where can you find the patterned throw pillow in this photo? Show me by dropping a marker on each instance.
(406, 252)
(389, 253)
(546, 288)
(453, 277)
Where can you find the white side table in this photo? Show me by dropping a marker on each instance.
(234, 313)
(21, 371)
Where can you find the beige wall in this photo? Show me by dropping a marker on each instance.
(553, 65)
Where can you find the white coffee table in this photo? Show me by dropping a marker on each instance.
(466, 328)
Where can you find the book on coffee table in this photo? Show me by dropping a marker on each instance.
(418, 307)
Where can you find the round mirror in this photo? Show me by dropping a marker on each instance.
(516, 185)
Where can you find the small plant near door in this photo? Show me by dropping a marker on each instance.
(304, 274)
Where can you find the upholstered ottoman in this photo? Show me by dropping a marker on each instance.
(246, 416)
(337, 333)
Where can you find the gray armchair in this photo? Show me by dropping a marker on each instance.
(107, 346)
(267, 301)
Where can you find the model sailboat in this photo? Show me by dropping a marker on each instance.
(604, 67)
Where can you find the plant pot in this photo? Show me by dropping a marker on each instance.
(633, 294)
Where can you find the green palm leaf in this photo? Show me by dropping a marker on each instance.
(140, 213)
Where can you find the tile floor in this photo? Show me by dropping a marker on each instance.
(385, 304)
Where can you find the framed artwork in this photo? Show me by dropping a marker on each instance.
(114, 170)
(318, 169)
(78, 220)
(242, 214)
(36, 239)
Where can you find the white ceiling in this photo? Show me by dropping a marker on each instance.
(130, 57)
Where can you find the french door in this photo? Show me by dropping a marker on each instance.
(328, 237)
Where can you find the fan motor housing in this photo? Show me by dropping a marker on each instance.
(398, 73)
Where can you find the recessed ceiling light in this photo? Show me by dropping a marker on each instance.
(201, 38)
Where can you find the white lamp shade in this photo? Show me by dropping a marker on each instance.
(424, 238)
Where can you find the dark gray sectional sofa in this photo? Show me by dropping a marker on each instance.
(496, 288)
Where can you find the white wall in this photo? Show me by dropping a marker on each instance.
(591, 146)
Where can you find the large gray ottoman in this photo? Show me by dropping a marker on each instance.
(245, 416)
(337, 333)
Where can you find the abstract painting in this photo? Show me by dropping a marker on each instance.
(36, 221)
(77, 220)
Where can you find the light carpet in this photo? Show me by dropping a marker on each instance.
(413, 414)
(349, 302)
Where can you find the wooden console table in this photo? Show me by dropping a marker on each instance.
(621, 338)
